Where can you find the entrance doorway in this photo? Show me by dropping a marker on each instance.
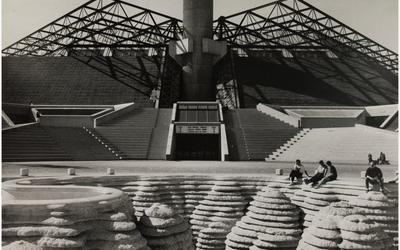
(197, 147)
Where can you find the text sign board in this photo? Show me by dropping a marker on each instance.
(192, 129)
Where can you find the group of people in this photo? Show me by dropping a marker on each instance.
(380, 161)
(323, 174)
(327, 172)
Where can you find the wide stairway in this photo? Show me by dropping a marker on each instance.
(342, 145)
(79, 144)
(31, 143)
(253, 135)
(141, 134)
(128, 136)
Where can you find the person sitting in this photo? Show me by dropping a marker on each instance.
(321, 172)
(382, 159)
(297, 172)
(330, 176)
(369, 158)
(373, 175)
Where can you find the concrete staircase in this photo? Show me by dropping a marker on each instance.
(341, 145)
(140, 134)
(253, 135)
(80, 145)
(31, 143)
(128, 136)
(288, 145)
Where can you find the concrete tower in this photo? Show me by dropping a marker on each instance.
(197, 51)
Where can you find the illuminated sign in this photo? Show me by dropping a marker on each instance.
(185, 129)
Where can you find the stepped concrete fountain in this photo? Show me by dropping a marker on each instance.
(102, 212)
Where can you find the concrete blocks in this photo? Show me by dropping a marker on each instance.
(71, 171)
(110, 171)
(24, 172)
(279, 171)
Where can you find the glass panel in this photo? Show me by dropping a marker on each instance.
(192, 116)
(197, 147)
(182, 116)
(213, 115)
(202, 116)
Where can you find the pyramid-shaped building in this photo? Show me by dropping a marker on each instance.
(111, 80)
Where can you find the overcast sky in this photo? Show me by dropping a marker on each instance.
(376, 19)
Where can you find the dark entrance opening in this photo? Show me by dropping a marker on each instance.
(197, 147)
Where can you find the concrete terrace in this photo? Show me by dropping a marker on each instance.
(344, 145)
(348, 172)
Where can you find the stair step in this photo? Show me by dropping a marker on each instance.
(257, 133)
(30, 143)
(128, 136)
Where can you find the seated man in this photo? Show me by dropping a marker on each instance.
(382, 159)
(330, 176)
(321, 172)
(297, 172)
(373, 175)
(369, 158)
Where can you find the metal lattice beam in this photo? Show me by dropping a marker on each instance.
(171, 80)
(297, 25)
(97, 25)
(118, 25)
(225, 82)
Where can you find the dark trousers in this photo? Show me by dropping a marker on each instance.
(368, 181)
(295, 174)
(316, 178)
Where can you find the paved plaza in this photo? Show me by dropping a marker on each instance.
(96, 168)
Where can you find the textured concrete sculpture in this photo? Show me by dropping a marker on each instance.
(165, 229)
(223, 205)
(270, 223)
(69, 218)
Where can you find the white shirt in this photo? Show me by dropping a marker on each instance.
(299, 168)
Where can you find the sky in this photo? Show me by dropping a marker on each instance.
(375, 19)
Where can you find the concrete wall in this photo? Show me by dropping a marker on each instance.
(81, 80)
(114, 114)
(279, 115)
(327, 122)
(327, 117)
(170, 151)
(224, 144)
(71, 120)
(88, 116)
(382, 110)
